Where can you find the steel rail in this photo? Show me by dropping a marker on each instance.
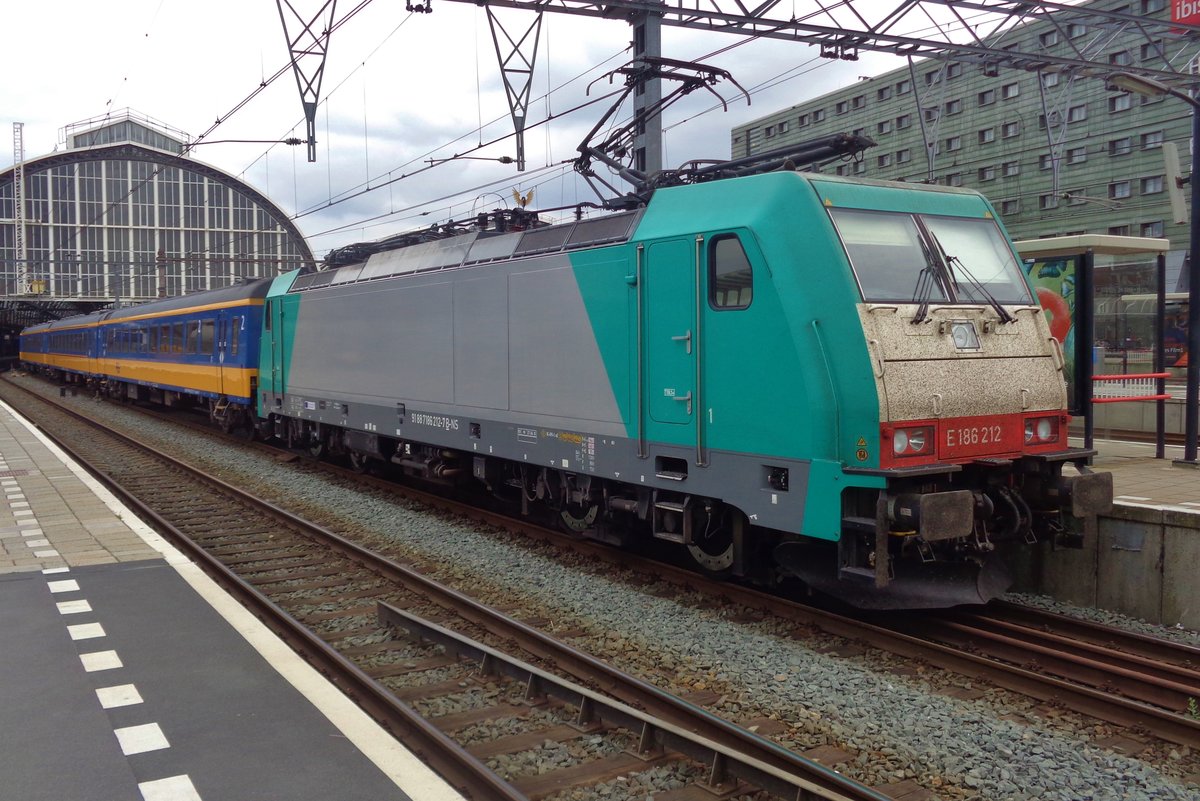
(816, 780)
(1129, 642)
(462, 770)
(726, 765)
(1168, 725)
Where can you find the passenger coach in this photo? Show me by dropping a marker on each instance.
(198, 349)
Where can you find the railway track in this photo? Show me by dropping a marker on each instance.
(1141, 683)
(342, 606)
(1146, 669)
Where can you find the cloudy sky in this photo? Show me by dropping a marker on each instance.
(399, 89)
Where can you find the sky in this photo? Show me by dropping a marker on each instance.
(399, 89)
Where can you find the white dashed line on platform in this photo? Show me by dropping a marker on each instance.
(120, 695)
(46, 554)
(74, 607)
(1130, 498)
(42, 543)
(100, 660)
(66, 585)
(50, 571)
(175, 788)
(140, 739)
(86, 631)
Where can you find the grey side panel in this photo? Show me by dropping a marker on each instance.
(387, 341)
(480, 343)
(554, 363)
(512, 339)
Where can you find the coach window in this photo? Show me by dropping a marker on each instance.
(730, 279)
(177, 338)
(206, 336)
(164, 339)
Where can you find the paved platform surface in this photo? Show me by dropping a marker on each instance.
(127, 674)
(1139, 478)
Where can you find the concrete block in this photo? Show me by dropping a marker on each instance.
(1128, 565)
(1181, 569)
(1069, 574)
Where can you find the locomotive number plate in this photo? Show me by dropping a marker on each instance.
(968, 438)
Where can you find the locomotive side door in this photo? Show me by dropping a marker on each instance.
(671, 338)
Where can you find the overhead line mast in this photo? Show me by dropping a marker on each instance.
(308, 48)
(23, 286)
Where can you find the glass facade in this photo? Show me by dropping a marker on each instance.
(115, 218)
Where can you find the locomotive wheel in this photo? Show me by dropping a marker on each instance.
(359, 462)
(316, 449)
(712, 549)
(578, 519)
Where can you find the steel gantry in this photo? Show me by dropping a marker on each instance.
(308, 47)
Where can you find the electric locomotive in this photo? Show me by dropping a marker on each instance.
(848, 381)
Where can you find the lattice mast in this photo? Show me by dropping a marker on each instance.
(19, 201)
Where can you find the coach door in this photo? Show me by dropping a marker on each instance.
(226, 360)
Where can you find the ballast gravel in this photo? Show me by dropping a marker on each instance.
(960, 749)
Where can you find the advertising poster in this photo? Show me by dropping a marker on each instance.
(1054, 281)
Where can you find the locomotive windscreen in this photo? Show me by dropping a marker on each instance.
(966, 259)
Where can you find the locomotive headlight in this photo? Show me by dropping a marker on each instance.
(912, 441)
(1040, 430)
(964, 335)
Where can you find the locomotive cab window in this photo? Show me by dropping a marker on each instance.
(730, 279)
(913, 258)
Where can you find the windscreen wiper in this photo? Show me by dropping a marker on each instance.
(922, 292)
(974, 282)
(929, 277)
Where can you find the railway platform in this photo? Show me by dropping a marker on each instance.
(128, 674)
(1142, 559)
(1139, 478)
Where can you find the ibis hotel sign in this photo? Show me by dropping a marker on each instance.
(1185, 11)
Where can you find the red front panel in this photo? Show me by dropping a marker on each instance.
(964, 439)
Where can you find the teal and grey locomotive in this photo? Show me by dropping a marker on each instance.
(780, 374)
(785, 373)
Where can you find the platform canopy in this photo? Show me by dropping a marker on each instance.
(1099, 244)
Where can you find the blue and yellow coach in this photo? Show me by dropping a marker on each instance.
(199, 349)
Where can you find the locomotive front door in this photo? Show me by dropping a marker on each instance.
(671, 336)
